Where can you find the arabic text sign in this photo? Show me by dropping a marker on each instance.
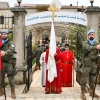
(61, 16)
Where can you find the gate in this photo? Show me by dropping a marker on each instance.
(6, 22)
(29, 60)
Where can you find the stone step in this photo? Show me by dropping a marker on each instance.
(38, 93)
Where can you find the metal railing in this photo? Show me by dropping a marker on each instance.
(6, 22)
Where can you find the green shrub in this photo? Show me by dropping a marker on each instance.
(34, 46)
(33, 61)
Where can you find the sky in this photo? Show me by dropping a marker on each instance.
(63, 2)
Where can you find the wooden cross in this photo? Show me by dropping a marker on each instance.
(53, 9)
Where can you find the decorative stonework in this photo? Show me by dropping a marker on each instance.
(92, 9)
(93, 20)
(19, 30)
(19, 9)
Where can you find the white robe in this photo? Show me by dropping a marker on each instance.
(43, 65)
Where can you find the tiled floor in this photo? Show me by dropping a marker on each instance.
(37, 92)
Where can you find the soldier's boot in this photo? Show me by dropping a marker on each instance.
(13, 95)
(1, 91)
(36, 68)
(83, 97)
(39, 68)
(95, 95)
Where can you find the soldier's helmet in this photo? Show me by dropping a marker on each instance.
(90, 31)
(4, 31)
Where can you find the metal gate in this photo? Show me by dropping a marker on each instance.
(6, 22)
(29, 60)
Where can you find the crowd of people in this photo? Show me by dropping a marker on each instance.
(64, 62)
(64, 59)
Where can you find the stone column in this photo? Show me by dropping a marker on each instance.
(19, 39)
(93, 20)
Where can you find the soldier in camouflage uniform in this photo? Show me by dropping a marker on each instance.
(90, 50)
(7, 51)
(37, 55)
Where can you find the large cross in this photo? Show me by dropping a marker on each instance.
(53, 9)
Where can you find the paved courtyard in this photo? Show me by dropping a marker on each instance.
(37, 92)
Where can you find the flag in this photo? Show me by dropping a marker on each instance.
(51, 65)
(0, 54)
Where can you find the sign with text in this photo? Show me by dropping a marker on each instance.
(61, 16)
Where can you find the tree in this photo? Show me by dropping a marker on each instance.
(77, 34)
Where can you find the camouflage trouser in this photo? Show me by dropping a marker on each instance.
(7, 68)
(37, 62)
(88, 73)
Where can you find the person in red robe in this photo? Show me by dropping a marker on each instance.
(67, 59)
(55, 85)
(0, 54)
(1, 72)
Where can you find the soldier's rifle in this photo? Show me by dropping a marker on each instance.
(98, 69)
(79, 60)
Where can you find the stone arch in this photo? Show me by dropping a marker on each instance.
(20, 27)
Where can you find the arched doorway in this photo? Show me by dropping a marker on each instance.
(45, 39)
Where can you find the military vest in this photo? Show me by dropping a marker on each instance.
(9, 48)
(90, 53)
(38, 52)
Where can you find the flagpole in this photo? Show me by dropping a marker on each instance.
(53, 9)
(50, 82)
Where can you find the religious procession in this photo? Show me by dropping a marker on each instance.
(49, 53)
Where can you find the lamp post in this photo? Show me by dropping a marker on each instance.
(19, 1)
(91, 1)
(54, 6)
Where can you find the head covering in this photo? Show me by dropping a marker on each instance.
(90, 31)
(4, 31)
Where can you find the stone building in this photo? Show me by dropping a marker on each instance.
(40, 31)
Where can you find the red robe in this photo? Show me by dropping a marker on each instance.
(66, 59)
(0, 54)
(55, 85)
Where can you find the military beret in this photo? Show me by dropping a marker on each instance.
(4, 31)
(90, 31)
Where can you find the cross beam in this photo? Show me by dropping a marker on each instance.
(53, 9)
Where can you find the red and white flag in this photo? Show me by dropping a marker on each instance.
(51, 65)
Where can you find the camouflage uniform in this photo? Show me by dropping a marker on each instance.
(90, 64)
(8, 65)
(37, 55)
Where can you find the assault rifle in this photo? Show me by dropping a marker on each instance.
(98, 69)
(79, 69)
(80, 63)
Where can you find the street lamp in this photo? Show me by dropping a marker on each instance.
(91, 1)
(19, 1)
